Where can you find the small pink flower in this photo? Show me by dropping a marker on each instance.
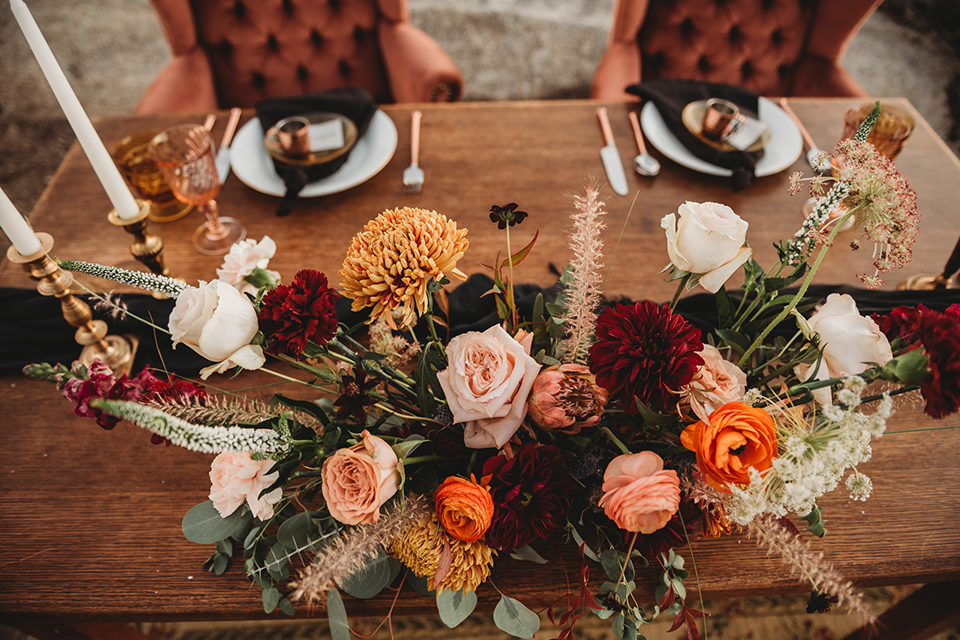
(358, 480)
(566, 397)
(638, 495)
(717, 382)
(236, 477)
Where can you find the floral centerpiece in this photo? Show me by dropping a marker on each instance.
(618, 427)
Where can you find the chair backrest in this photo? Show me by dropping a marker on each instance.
(758, 44)
(263, 48)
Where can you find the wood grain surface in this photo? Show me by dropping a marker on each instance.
(91, 518)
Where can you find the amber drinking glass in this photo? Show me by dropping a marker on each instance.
(890, 132)
(186, 157)
(145, 179)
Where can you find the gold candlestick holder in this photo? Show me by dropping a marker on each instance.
(115, 351)
(146, 247)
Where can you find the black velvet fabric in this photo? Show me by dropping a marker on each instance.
(32, 328)
(671, 95)
(352, 102)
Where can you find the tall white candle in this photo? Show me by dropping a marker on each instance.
(120, 196)
(24, 240)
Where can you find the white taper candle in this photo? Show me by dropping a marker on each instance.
(118, 191)
(16, 227)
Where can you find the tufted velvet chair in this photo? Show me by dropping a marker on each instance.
(231, 53)
(776, 47)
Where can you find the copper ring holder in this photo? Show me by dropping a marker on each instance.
(115, 351)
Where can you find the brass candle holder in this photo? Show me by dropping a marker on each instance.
(943, 280)
(115, 351)
(146, 247)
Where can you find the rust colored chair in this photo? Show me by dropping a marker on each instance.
(775, 47)
(232, 53)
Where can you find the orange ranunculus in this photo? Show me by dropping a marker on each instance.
(738, 438)
(464, 508)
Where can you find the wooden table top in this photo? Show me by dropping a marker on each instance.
(92, 518)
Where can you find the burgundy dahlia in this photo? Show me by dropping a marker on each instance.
(301, 311)
(940, 335)
(644, 351)
(531, 496)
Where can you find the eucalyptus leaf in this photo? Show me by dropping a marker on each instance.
(277, 563)
(587, 551)
(337, 616)
(370, 580)
(220, 562)
(455, 606)
(511, 616)
(610, 561)
(204, 525)
(420, 585)
(298, 532)
(271, 598)
(527, 553)
(286, 606)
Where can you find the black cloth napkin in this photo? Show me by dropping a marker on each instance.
(671, 95)
(352, 102)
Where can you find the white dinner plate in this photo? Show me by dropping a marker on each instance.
(780, 152)
(251, 162)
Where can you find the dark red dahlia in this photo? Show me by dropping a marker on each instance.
(644, 351)
(940, 335)
(301, 311)
(531, 496)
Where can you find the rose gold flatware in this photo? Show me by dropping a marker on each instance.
(413, 175)
(644, 164)
(816, 157)
(208, 123)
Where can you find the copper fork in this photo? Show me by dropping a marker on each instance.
(413, 175)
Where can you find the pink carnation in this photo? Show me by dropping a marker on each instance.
(638, 495)
(236, 477)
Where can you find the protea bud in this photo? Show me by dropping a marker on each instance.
(567, 398)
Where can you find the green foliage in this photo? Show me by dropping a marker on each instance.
(455, 606)
(432, 359)
(337, 616)
(373, 578)
(204, 525)
(511, 616)
(816, 522)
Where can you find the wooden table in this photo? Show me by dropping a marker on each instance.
(91, 518)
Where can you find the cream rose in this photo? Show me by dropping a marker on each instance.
(236, 477)
(487, 383)
(850, 342)
(218, 322)
(358, 480)
(243, 258)
(717, 382)
(707, 239)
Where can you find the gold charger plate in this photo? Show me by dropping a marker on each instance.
(272, 142)
(692, 116)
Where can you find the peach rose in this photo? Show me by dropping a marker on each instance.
(358, 480)
(464, 508)
(235, 477)
(487, 383)
(706, 238)
(849, 341)
(638, 495)
(717, 382)
(738, 437)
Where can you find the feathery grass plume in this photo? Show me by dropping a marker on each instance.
(193, 437)
(223, 410)
(794, 551)
(354, 548)
(112, 305)
(583, 294)
(138, 279)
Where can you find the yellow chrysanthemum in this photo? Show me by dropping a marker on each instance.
(421, 547)
(391, 262)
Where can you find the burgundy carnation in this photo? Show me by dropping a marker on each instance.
(901, 323)
(301, 311)
(531, 495)
(940, 335)
(645, 351)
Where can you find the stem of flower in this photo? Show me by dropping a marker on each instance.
(797, 298)
(405, 416)
(615, 440)
(693, 561)
(680, 287)
(510, 299)
(418, 459)
(623, 569)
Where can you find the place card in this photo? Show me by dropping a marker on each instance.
(746, 134)
(326, 136)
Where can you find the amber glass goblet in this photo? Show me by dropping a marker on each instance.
(187, 159)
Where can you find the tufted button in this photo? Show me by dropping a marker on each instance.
(777, 37)
(302, 73)
(735, 35)
(272, 43)
(686, 28)
(316, 38)
(767, 5)
(784, 70)
(258, 80)
(239, 10)
(226, 48)
(746, 69)
(287, 7)
(359, 34)
(343, 67)
(703, 64)
(335, 4)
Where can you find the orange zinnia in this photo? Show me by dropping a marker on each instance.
(464, 508)
(738, 437)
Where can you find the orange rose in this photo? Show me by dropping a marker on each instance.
(738, 438)
(464, 508)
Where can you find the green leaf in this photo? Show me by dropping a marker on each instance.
(725, 313)
(432, 359)
(408, 446)
(527, 553)
(420, 585)
(537, 308)
(305, 406)
(276, 563)
(297, 533)
(511, 616)
(225, 547)
(610, 561)
(652, 417)
(371, 579)
(455, 606)
(271, 598)
(220, 563)
(815, 522)
(735, 339)
(204, 525)
(587, 551)
(518, 257)
(287, 607)
(337, 616)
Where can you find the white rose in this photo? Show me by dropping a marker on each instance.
(708, 240)
(487, 383)
(243, 258)
(850, 343)
(218, 322)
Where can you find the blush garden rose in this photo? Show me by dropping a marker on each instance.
(357, 481)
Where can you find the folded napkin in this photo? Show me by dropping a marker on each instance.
(671, 95)
(352, 102)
